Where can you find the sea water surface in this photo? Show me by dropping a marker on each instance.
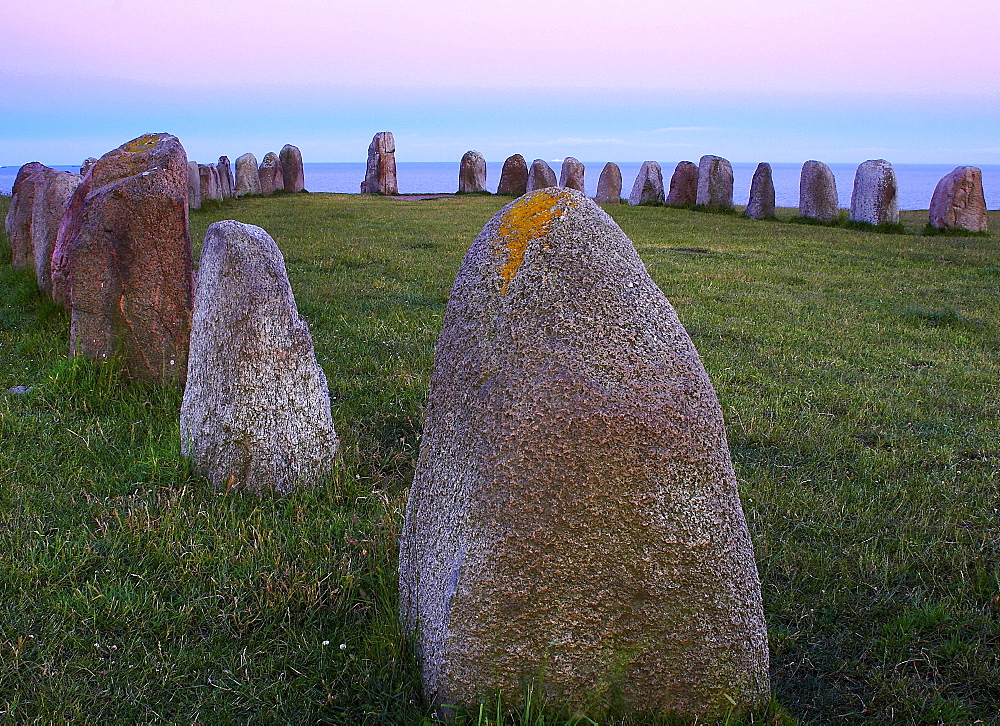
(916, 181)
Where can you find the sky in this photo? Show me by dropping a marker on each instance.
(840, 81)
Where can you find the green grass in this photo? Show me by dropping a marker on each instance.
(858, 372)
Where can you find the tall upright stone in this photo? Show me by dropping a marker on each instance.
(256, 409)
(472, 173)
(648, 185)
(514, 176)
(271, 179)
(875, 197)
(87, 165)
(51, 202)
(247, 176)
(609, 185)
(761, 202)
(123, 259)
(225, 177)
(292, 171)
(194, 186)
(380, 174)
(574, 514)
(818, 193)
(683, 185)
(28, 182)
(715, 183)
(959, 202)
(208, 177)
(540, 175)
(571, 174)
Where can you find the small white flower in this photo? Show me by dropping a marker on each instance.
(343, 646)
(326, 642)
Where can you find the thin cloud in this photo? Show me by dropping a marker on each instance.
(672, 129)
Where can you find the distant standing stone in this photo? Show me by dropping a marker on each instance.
(380, 174)
(514, 176)
(571, 174)
(194, 186)
(27, 184)
(472, 173)
(959, 202)
(225, 177)
(761, 203)
(874, 198)
(540, 176)
(247, 177)
(609, 185)
(51, 203)
(818, 193)
(256, 409)
(715, 183)
(292, 171)
(87, 165)
(648, 186)
(271, 179)
(683, 185)
(208, 177)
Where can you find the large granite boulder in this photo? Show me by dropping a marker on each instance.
(513, 176)
(51, 202)
(209, 186)
(472, 173)
(574, 514)
(123, 259)
(874, 198)
(571, 174)
(683, 190)
(226, 185)
(247, 176)
(648, 186)
(761, 202)
(609, 185)
(256, 409)
(818, 193)
(194, 186)
(28, 182)
(715, 183)
(293, 173)
(380, 174)
(270, 172)
(959, 201)
(540, 175)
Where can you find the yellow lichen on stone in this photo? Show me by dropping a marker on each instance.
(529, 218)
(140, 144)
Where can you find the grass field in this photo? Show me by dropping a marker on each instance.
(858, 373)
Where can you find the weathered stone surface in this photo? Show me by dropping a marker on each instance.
(87, 165)
(256, 409)
(715, 183)
(380, 174)
(472, 173)
(540, 175)
(194, 186)
(293, 173)
(574, 513)
(648, 186)
(959, 201)
(208, 182)
(247, 177)
(27, 183)
(609, 185)
(225, 177)
(818, 192)
(514, 176)
(761, 202)
(683, 185)
(123, 259)
(51, 201)
(874, 198)
(271, 179)
(571, 174)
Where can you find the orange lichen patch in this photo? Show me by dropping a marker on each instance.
(140, 144)
(529, 218)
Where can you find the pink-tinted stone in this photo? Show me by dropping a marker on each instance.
(609, 185)
(292, 171)
(28, 181)
(380, 173)
(761, 202)
(571, 174)
(513, 176)
(959, 202)
(683, 185)
(271, 179)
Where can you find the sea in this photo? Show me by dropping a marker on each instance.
(916, 181)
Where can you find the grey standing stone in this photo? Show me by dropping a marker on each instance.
(208, 177)
(194, 186)
(514, 176)
(683, 185)
(88, 163)
(761, 202)
(571, 174)
(540, 175)
(380, 174)
(225, 177)
(271, 179)
(574, 513)
(875, 198)
(256, 409)
(247, 177)
(292, 171)
(818, 193)
(51, 203)
(472, 173)
(648, 186)
(959, 201)
(609, 185)
(27, 184)
(715, 183)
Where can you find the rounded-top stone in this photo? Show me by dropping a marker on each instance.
(715, 182)
(818, 192)
(540, 175)
(609, 185)
(959, 201)
(875, 198)
(648, 185)
(683, 185)
(472, 173)
(270, 172)
(247, 176)
(292, 170)
(513, 176)
(571, 174)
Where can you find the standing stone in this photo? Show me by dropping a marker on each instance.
(648, 186)
(380, 175)
(225, 177)
(571, 174)
(208, 178)
(87, 165)
(959, 202)
(574, 514)
(194, 186)
(514, 176)
(715, 183)
(874, 199)
(683, 185)
(27, 184)
(609, 185)
(247, 177)
(818, 193)
(51, 202)
(540, 175)
(123, 259)
(293, 173)
(472, 173)
(271, 179)
(761, 203)
(256, 409)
